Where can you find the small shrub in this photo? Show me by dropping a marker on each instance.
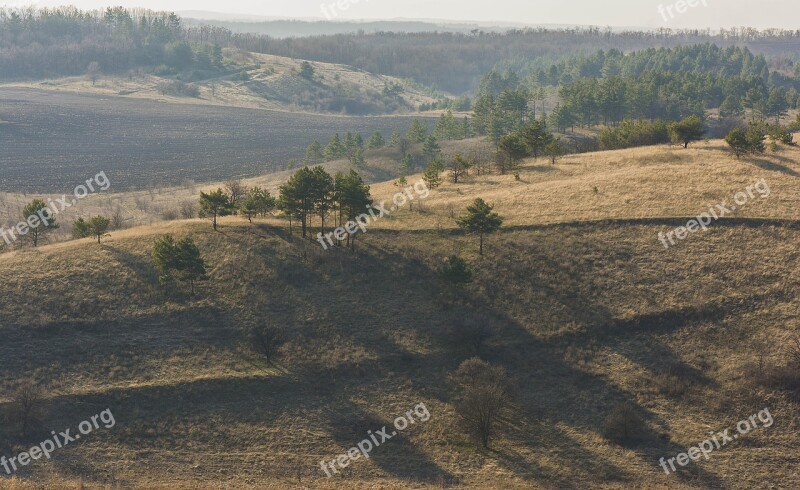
(782, 375)
(455, 270)
(163, 71)
(671, 382)
(624, 425)
(169, 215)
(471, 333)
(177, 88)
(780, 134)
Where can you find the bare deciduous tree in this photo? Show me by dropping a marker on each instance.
(486, 393)
(28, 407)
(236, 191)
(188, 210)
(266, 340)
(93, 72)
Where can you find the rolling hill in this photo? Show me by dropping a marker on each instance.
(588, 310)
(262, 81)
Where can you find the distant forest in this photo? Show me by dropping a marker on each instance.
(303, 28)
(668, 84)
(66, 41)
(455, 62)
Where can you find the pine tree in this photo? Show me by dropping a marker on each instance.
(215, 204)
(480, 219)
(459, 168)
(335, 149)
(432, 175)
(737, 140)
(179, 260)
(375, 141)
(37, 212)
(686, 131)
(418, 132)
(314, 154)
(431, 148)
(555, 150)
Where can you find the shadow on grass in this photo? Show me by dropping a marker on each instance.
(774, 167)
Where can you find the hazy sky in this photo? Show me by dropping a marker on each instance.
(645, 13)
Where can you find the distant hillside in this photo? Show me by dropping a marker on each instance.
(256, 80)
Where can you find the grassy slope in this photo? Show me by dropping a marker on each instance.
(587, 313)
(274, 85)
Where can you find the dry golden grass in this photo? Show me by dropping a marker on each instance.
(271, 84)
(588, 312)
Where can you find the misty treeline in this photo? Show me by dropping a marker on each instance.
(455, 62)
(65, 41)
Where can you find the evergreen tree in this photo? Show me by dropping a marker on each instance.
(731, 107)
(352, 198)
(417, 132)
(215, 204)
(537, 137)
(375, 141)
(314, 154)
(432, 175)
(98, 227)
(467, 130)
(512, 148)
(395, 139)
(555, 150)
(777, 106)
(480, 219)
(257, 202)
(307, 192)
(179, 260)
(35, 216)
(686, 131)
(459, 168)
(431, 148)
(335, 149)
(737, 140)
(357, 159)
(349, 141)
(447, 128)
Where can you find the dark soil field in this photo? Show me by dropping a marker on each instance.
(52, 141)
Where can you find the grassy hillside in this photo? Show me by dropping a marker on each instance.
(262, 81)
(588, 309)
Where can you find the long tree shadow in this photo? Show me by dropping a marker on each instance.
(391, 450)
(773, 167)
(376, 264)
(320, 289)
